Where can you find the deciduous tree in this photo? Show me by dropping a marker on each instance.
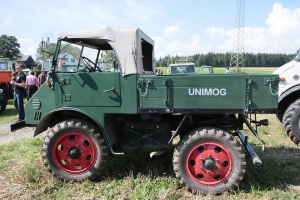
(9, 47)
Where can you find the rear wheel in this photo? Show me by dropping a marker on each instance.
(209, 161)
(74, 150)
(291, 121)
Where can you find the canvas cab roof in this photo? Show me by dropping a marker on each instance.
(133, 48)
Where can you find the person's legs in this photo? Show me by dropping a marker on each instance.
(20, 104)
(33, 89)
(16, 102)
(28, 92)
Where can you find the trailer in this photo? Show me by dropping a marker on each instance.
(90, 113)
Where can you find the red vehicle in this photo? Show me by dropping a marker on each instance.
(6, 67)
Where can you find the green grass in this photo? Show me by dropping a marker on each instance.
(10, 113)
(136, 176)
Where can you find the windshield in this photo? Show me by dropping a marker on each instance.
(182, 69)
(74, 57)
(3, 65)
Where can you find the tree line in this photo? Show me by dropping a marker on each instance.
(223, 59)
(9, 47)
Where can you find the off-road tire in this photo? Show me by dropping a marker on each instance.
(188, 148)
(74, 144)
(3, 102)
(291, 121)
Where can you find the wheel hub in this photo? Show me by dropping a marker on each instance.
(209, 164)
(74, 153)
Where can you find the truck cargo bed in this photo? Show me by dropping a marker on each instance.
(238, 93)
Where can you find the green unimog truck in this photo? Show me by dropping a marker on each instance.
(90, 113)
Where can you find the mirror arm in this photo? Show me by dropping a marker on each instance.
(47, 52)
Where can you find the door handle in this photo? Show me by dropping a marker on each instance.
(110, 90)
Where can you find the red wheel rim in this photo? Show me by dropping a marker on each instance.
(74, 152)
(209, 163)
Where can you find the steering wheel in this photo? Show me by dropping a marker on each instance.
(90, 64)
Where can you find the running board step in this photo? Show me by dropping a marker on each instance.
(256, 160)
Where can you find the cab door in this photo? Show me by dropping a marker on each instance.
(92, 89)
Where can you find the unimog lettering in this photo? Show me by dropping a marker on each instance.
(207, 91)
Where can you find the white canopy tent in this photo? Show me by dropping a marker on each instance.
(126, 42)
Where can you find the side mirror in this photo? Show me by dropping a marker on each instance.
(45, 44)
(102, 54)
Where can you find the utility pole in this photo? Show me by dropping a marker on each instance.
(237, 55)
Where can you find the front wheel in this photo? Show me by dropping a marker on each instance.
(291, 121)
(74, 150)
(209, 161)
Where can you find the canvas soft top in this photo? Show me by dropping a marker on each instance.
(126, 42)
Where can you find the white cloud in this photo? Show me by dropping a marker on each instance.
(215, 32)
(171, 31)
(283, 22)
(28, 46)
(178, 35)
(7, 22)
(141, 10)
(280, 36)
(178, 42)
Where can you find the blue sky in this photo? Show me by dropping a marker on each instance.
(177, 27)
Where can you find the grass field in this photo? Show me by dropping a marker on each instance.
(136, 176)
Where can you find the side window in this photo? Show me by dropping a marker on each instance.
(147, 50)
(108, 61)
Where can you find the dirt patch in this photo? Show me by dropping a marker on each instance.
(7, 136)
(12, 190)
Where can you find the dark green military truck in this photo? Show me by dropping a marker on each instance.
(89, 112)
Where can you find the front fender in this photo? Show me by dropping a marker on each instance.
(288, 92)
(60, 113)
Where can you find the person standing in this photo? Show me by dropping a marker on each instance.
(228, 71)
(42, 78)
(31, 84)
(19, 83)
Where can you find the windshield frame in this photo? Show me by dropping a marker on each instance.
(81, 45)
